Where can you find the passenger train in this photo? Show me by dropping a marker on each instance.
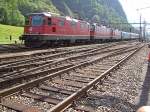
(50, 29)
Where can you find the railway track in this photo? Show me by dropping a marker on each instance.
(22, 58)
(56, 91)
(8, 58)
(20, 63)
(12, 48)
(26, 73)
(8, 65)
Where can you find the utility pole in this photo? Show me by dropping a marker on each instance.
(144, 30)
(140, 35)
(140, 23)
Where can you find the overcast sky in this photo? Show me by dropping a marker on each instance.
(130, 7)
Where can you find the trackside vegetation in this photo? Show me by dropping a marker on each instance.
(10, 34)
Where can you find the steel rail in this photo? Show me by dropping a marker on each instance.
(7, 65)
(38, 52)
(35, 82)
(13, 63)
(26, 74)
(9, 68)
(33, 53)
(68, 101)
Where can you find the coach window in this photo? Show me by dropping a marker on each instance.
(49, 21)
(61, 23)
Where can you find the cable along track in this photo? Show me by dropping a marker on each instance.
(60, 89)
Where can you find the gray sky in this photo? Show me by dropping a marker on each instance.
(133, 15)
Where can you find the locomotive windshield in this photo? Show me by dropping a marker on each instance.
(37, 20)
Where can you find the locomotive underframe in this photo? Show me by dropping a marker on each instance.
(46, 40)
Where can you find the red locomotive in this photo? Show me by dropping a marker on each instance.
(50, 29)
(102, 33)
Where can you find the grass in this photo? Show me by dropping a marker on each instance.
(6, 31)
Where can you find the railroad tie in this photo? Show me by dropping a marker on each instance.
(20, 107)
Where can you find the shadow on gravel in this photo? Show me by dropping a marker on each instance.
(115, 103)
(145, 89)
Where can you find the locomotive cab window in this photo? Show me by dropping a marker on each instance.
(49, 21)
(37, 20)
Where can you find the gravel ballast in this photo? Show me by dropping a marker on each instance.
(121, 92)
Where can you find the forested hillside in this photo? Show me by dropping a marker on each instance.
(102, 11)
(13, 12)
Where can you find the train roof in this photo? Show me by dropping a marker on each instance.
(49, 14)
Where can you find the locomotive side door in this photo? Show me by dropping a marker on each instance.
(112, 34)
(92, 32)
